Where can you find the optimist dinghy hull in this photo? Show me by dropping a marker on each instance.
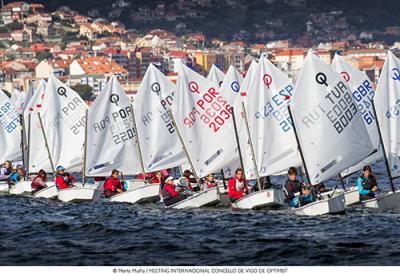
(21, 188)
(352, 196)
(79, 194)
(144, 194)
(334, 205)
(3, 187)
(204, 198)
(261, 199)
(49, 192)
(387, 201)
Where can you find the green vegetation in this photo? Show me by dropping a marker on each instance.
(85, 91)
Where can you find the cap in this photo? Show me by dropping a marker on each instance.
(60, 168)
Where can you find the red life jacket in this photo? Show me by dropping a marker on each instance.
(63, 182)
(233, 192)
(155, 181)
(112, 184)
(169, 191)
(37, 184)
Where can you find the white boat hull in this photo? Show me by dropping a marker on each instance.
(387, 201)
(49, 192)
(79, 194)
(352, 196)
(261, 199)
(334, 205)
(3, 187)
(145, 194)
(21, 188)
(135, 183)
(204, 198)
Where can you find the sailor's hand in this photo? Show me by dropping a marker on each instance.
(374, 189)
(306, 191)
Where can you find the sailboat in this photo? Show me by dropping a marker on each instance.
(270, 135)
(155, 132)
(202, 119)
(10, 136)
(363, 94)
(386, 107)
(329, 130)
(62, 123)
(215, 75)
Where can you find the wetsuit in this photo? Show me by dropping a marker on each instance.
(111, 186)
(170, 196)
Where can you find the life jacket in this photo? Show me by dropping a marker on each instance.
(368, 183)
(6, 171)
(63, 182)
(291, 188)
(15, 177)
(112, 184)
(168, 192)
(236, 188)
(155, 181)
(38, 183)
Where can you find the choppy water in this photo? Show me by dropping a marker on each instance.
(45, 232)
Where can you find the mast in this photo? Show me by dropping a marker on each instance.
(23, 144)
(298, 144)
(184, 147)
(85, 149)
(28, 146)
(253, 155)
(237, 139)
(138, 143)
(383, 148)
(46, 143)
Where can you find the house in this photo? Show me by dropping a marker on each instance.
(95, 71)
(36, 8)
(58, 67)
(20, 35)
(80, 19)
(290, 59)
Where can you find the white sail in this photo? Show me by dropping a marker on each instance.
(330, 128)
(204, 120)
(231, 85)
(387, 105)
(20, 101)
(240, 122)
(215, 75)
(29, 95)
(38, 157)
(111, 138)
(10, 132)
(14, 96)
(161, 146)
(63, 115)
(363, 93)
(271, 129)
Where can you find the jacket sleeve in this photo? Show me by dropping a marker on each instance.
(361, 190)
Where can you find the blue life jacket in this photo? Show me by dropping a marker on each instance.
(15, 177)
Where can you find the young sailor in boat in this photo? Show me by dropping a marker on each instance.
(62, 179)
(6, 171)
(209, 181)
(17, 175)
(170, 194)
(113, 185)
(191, 181)
(237, 186)
(39, 182)
(157, 178)
(296, 193)
(367, 186)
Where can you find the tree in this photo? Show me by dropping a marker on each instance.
(85, 91)
(43, 55)
(15, 25)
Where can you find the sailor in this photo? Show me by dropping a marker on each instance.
(157, 178)
(5, 171)
(209, 181)
(191, 181)
(62, 179)
(39, 182)
(367, 186)
(170, 194)
(17, 175)
(237, 186)
(113, 185)
(296, 193)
